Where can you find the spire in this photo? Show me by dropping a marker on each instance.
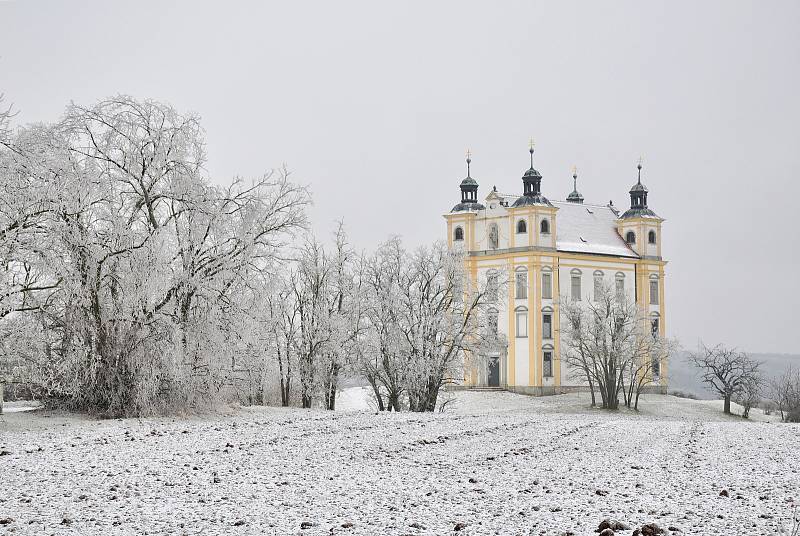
(575, 196)
(530, 150)
(639, 167)
(469, 190)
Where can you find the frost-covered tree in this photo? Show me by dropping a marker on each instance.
(143, 259)
(607, 341)
(750, 394)
(423, 322)
(438, 320)
(283, 326)
(727, 371)
(382, 360)
(321, 316)
(785, 390)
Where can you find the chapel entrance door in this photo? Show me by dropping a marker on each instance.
(494, 371)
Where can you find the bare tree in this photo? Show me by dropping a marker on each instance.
(423, 325)
(749, 396)
(381, 358)
(786, 392)
(726, 371)
(345, 315)
(284, 326)
(607, 341)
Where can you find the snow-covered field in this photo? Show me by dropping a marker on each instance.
(495, 463)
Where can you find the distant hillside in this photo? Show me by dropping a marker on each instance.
(684, 376)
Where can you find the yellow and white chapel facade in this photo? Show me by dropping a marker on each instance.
(548, 249)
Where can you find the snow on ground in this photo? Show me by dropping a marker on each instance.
(498, 463)
(21, 405)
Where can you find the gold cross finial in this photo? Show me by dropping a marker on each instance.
(639, 162)
(530, 144)
(574, 170)
(469, 154)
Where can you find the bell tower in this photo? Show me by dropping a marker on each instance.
(639, 226)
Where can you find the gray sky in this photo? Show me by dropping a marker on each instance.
(373, 105)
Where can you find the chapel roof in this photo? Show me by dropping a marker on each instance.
(586, 228)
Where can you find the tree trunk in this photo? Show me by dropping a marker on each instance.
(376, 390)
(630, 392)
(1, 397)
(306, 400)
(284, 392)
(591, 389)
(727, 409)
(394, 402)
(612, 399)
(333, 383)
(286, 379)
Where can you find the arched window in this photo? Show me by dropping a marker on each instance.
(459, 234)
(654, 325)
(575, 284)
(619, 280)
(522, 227)
(544, 227)
(494, 238)
(598, 284)
(651, 237)
(630, 237)
(547, 323)
(547, 360)
(547, 283)
(653, 289)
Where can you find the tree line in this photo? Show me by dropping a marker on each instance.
(134, 284)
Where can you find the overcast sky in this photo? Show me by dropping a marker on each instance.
(373, 104)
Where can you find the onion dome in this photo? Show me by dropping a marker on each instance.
(469, 192)
(639, 199)
(531, 187)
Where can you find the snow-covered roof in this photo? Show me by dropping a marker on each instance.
(585, 228)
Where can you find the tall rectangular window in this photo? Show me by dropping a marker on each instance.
(598, 287)
(656, 367)
(654, 327)
(576, 287)
(654, 292)
(522, 285)
(547, 326)
(491, 288)
(620, 289)
(522, 323)
(547, 286)
(547, 361)
(458, 289)
(492, 322)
